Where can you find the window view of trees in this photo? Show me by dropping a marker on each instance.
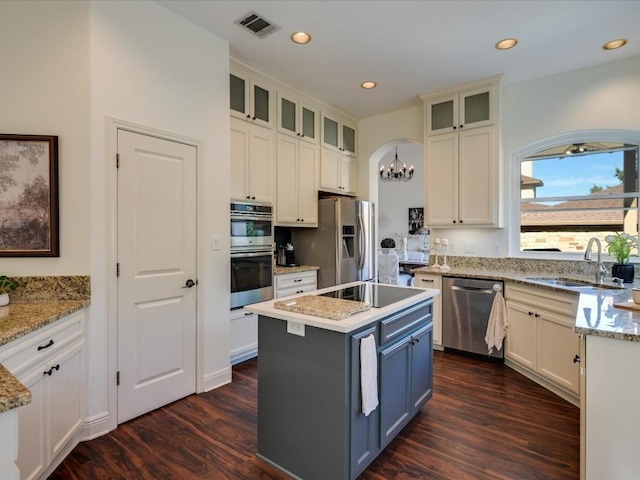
(574, 192)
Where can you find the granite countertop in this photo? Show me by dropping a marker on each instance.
(325, 307)
(344, 325)
(17, 320)
(280, 270)
(596, 313)
(13, 393)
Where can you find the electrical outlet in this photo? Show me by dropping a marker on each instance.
(452, 248)
(496, 249)
(295, 328)
(468, 248)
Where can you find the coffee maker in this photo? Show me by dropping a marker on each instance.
(286, 256)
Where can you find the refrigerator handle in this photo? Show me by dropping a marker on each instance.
(361, 242)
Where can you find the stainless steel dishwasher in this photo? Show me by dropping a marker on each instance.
(466, 306)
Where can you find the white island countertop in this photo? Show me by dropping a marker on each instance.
(346, 325)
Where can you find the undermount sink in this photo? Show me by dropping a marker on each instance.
(563, 282)
(570, 283)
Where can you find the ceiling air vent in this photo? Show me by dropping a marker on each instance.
(257, 24)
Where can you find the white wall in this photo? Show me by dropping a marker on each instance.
(395, 198)
(151, 67)
(376, 136)
(602, 97)
(44, 89)
(66, 67)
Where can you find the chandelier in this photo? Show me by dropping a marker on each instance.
(396, 171)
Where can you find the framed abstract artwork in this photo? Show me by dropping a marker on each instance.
(29, 196)
(416, 220)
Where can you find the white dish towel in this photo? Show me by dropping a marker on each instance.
(369, 374)
(497, 327)
(388, 268)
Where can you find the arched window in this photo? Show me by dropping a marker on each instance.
(576, 190)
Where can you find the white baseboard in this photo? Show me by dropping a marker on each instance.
(217, 379)
(95, 426)
(245, 353)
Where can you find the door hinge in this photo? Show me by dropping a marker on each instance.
(117, 378)
(117, 269)
(117, 160)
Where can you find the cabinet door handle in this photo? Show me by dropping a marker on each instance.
(50, 371)
(454, 127)
(42, 347)
(461, 126)
(428, 280)
(536, 315)
(576, 359)
(297, 280)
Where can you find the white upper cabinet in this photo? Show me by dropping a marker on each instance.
(297, 183)
(250, 98)
(459, 111)
(338, 172)
(338, 134)
(297, 118)
(462, 162)
(252, 162)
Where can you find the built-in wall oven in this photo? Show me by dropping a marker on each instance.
(251, 253)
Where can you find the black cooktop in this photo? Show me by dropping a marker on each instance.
(376, 295)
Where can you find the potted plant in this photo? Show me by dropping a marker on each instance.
(620, 246)
(387, 245)
(6, 285)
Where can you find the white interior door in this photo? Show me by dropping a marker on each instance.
(157, 263)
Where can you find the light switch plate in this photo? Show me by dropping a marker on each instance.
(216, 242)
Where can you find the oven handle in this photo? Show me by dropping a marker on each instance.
(253, 216)
(260, 253)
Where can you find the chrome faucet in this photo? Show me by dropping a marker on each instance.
(601, 271)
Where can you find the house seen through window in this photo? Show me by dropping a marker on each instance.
(573, 192)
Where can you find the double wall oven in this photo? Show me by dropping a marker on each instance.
(251, 253)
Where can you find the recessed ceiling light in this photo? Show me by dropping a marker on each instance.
(368, 85)
(506, 44)
(301, 37)
(613, 44)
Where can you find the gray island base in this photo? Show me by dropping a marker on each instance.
(310, 420)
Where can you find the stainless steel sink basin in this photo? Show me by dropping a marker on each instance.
(562, 282)
(567, 282)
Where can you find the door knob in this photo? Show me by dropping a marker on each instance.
(189, 283)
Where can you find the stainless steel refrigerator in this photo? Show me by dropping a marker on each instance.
(343, 245)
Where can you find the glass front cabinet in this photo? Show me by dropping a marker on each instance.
(338, 135)
(297, 118)
(250, 99)
(471, 109)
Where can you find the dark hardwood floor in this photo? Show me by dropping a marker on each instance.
(484, 421)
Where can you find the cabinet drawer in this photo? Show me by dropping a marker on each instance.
(428, 281)
(295, 279)
(405, 321)
(37, 346)
(285, 292)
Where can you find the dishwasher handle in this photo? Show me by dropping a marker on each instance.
(473, 289)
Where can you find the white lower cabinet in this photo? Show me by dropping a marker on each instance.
(50, 363)
(541, 342)
(427, 280)
(244, 335)
(295, 283)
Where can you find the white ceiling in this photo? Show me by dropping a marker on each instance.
(416, 47)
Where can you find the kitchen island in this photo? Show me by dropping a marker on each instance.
(310, 417)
